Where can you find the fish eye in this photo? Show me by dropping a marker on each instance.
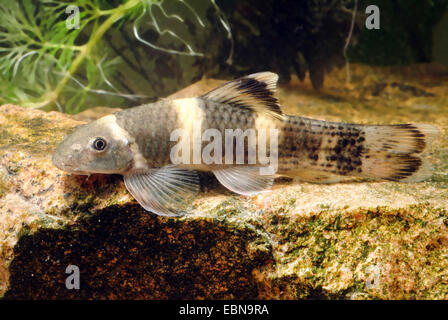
(99, 144)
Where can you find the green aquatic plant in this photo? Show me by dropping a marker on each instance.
(65, 54)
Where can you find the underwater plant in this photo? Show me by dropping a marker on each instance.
(71, 55)
(124, 53)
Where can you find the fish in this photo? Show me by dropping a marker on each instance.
(145, 144)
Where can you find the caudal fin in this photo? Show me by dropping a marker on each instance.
(398, 152)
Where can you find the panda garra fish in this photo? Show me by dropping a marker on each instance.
(138, 144)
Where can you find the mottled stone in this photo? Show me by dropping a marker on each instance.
(94, 113)
(382, 240)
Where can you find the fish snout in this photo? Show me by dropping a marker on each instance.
(64, 161)
(58, 161)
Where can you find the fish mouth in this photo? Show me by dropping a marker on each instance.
(69, 168)
(73, 170)
(79, 172)
(76, 171)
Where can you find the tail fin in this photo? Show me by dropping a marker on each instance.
(397, 152)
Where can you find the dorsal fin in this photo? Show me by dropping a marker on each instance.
(254, 92)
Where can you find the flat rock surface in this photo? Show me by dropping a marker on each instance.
(382, 240)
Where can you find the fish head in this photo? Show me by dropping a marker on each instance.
(97, 147)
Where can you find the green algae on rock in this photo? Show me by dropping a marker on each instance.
(382, 240)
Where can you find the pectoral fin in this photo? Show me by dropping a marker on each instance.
(244, 180)
(167, 191)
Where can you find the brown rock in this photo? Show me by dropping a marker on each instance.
(94, 113)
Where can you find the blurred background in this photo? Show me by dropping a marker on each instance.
(74, 55)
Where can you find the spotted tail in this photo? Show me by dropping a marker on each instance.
(398, 152)
(325, 152)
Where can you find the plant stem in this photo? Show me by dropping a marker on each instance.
(86, 49)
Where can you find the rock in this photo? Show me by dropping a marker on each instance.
(94, 113)
(196, 89)
(382, 240)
